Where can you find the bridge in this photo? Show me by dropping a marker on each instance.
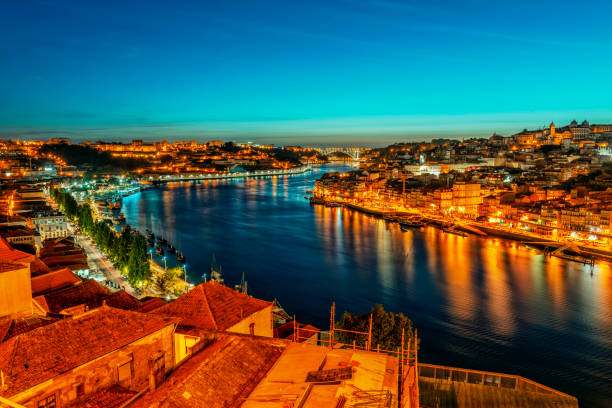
(354, 152)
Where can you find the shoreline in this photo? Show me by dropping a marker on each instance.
(220, 176)
(585, 254)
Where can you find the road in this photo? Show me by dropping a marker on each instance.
(98, 263)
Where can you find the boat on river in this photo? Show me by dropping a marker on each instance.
(412, 222)
(159, 250)
(171, 249)
(180, 257)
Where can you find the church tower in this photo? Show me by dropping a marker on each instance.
(552, 128)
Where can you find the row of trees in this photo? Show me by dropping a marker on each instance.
(127, 251)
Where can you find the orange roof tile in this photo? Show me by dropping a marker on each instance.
(111, 397)
(89, 293)
(222, 375)
(8, 254)
(46, 352)
(53, 281)
(211, 305)
(14, 327)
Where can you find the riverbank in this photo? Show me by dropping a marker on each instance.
(572, 251)
(168, 178)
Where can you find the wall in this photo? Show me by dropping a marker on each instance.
(103, 371)
(262, 320)
(15, 290)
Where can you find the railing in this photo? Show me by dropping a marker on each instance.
(407, 377)
(487, 378)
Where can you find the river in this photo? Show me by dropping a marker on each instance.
(480, 303)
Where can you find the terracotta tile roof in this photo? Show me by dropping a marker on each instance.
(219, 376)
(63, 260)
(147, 305)
(52, 281)
(211, 305)
(14, 327)
(46, 352)
(111, 397)
(8, 254)
(38, 267)
(89, 293)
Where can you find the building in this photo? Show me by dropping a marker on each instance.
(63, 363)
(21, 236)
(235, 370)
(212, 306)
(466, 198)
(49, 224)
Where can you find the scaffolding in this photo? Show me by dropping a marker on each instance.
(406, 354)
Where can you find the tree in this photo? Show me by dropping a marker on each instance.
(139, 269)
(386, 328)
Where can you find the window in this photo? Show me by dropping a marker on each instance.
(80, 390)
(48, 402)
(252, 329)
(189, 343)
(124, 373)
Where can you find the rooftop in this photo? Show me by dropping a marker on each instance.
(7, 253)
(112, 397)
(222, 375)
(52, 281)
(43, 353)
(212, 306)
(87, 292)
(317, 377)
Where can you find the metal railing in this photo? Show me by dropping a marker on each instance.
(487, 378)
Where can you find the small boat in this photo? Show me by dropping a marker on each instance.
(332, 204)
(171, 249)
(412, 224)
(452, 230)
(180, 257)
(161, 241)
(150, 242)
(159, 250)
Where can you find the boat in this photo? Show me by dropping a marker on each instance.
(161, 241)
(452, 230)
(121, 218)
(180, 257)
(215, 271)
(316, 200)
(150, 242)
(159, 250)
(332, 204)
(171, 249)
(412, 224)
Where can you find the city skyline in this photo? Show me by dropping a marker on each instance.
(317, 73)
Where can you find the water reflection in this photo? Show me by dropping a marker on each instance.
(478, 302)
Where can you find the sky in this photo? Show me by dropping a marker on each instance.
(305, 72)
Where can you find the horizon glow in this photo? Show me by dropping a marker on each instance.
(312, 73)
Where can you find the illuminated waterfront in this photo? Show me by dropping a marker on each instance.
(478, 303)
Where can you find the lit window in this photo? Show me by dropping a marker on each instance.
(48, 402)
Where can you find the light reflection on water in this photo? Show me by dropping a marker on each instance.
(481, 303)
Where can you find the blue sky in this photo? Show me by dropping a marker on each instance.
(310, 72)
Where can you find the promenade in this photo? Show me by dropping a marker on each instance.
(167, 178)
